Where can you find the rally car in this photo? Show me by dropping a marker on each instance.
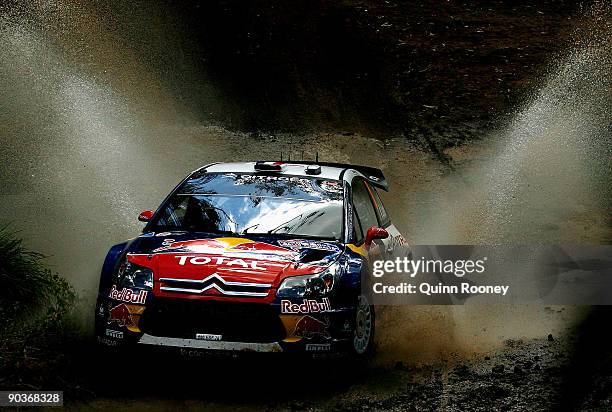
(255, 256)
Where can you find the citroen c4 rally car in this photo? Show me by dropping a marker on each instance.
(257, 256)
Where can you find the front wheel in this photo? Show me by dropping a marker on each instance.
(363, 337)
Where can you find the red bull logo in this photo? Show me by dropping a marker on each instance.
(128, 295)
(121, 315)
(197, 245)
(309, 327)
(219, 245)
(307, 306)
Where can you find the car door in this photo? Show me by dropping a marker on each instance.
(383, 221)
(366, 217)
(396, 244)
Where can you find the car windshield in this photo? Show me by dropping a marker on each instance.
(239, 203)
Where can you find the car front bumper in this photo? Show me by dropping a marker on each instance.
(156, 325)
(146, 339)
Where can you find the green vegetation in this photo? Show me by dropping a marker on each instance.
(34, 303)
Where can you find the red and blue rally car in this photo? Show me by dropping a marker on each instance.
(255, 256)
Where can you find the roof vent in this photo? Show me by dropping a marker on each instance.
(274, 166)
(313, 170)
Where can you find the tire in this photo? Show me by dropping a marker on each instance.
(363, 336)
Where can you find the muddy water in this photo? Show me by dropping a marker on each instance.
(542, 179)
(92, 134)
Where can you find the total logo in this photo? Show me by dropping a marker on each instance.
(307, 306)
(128, 295)
(220, 260)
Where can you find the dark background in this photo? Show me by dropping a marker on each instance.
(377, 67)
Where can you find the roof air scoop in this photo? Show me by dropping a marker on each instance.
(273, 166)
(313, 170)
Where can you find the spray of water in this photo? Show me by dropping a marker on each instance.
(547, 181)
(86, 127)
(547, 178)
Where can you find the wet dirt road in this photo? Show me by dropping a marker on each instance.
(86, 146)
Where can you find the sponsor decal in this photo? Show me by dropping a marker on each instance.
(116, 334)
(346, 326)
(218, 246)
(309, 327)
(297, 244)
(307, 306)
(121, 315)
(128, 295)
(107, 341)
(318, 347)
(101, 312)
(219, 260)
(333, 186)
(361, 250)
(349, 216)
(272, 178)
(208, 336)
(192, 353)
(398, 240)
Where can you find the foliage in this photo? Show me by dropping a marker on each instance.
(34, 301)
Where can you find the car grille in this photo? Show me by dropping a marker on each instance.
(216, 283)
(234, 321)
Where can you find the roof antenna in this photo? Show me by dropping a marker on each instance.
(281, 156)
(289, 156)
(317, 158)
(302, 155)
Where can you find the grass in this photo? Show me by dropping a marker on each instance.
(35, 304)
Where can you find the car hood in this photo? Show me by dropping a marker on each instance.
(185, 264)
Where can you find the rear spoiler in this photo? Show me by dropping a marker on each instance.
(375, 176)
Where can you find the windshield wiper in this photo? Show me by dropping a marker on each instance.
(245, 231)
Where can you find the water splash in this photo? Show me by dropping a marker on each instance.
(545, 178)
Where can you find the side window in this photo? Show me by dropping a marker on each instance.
(383, 217)
(362, 203)
(174, 214)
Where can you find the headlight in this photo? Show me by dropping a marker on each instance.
(134, 276)
(310, 286)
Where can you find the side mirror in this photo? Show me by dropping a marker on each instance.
(375, 233)
(145, 216)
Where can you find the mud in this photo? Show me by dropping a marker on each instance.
(557, 372)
